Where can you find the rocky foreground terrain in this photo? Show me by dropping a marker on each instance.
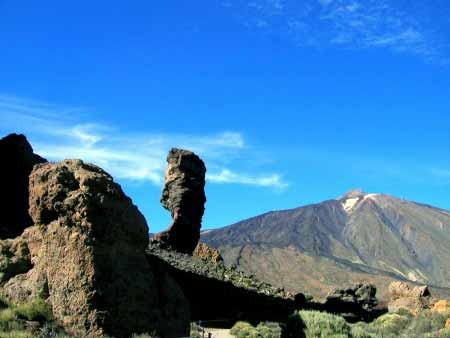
(359, 237)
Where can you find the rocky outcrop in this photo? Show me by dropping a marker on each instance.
(184, 196)
(355, 303)
(205, 252)
(402, 296)
(18, 160)
(87, 255)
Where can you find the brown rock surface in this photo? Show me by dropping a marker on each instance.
(18, 160)
(447, 324)
(441, 306)
(208, 253)
(184, 196)
(87, 250)
(402, 296)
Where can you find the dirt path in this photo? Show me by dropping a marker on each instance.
(220, 333)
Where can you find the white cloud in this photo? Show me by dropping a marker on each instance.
(56, 135)
(348, 23)
(228, 176)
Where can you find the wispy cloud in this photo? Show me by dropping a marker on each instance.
(227, 176)
(393, 25)
(57, 135)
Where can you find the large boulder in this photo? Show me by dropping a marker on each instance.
(184, 196)
(413, 299)
(87, 255)
(18, 160)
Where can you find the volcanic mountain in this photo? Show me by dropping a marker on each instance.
(358, 237)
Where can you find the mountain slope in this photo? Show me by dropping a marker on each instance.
(358, 237)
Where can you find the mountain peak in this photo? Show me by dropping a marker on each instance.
(356, 193)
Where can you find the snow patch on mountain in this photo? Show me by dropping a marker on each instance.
(350, 203)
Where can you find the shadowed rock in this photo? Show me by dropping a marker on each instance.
(18, 160)
(88, 262)
(354, 303)
(184, 196)
(217, 292)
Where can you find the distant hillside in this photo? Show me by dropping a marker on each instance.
(357, 237)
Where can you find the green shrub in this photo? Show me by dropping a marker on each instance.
(7, 317)
(16, 334)
(263, 330)
(244, 330)
(404, 312)
(269, 330)
(444, 333)
(309, 298)
(361, 332)
(37, 310)
(392, 322)
(324, 325)
(426, 322)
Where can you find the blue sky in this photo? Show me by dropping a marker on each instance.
(288, 102)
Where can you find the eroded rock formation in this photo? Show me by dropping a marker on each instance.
(402, 296)
(184, 196)
(86, 251)
(18, 160)
(207, 253)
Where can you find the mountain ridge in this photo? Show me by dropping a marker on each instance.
(377, 235)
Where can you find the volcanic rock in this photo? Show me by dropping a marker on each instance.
(357, 302)
(87, 251)
(207, 253)
(184, 196)
(402, 296)
(18, 160)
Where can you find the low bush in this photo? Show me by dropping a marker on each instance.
(263, 330)
(426, 322)
(444, 333)
(37, 311)
(16, 334)
(244, 330)
(324, 325)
